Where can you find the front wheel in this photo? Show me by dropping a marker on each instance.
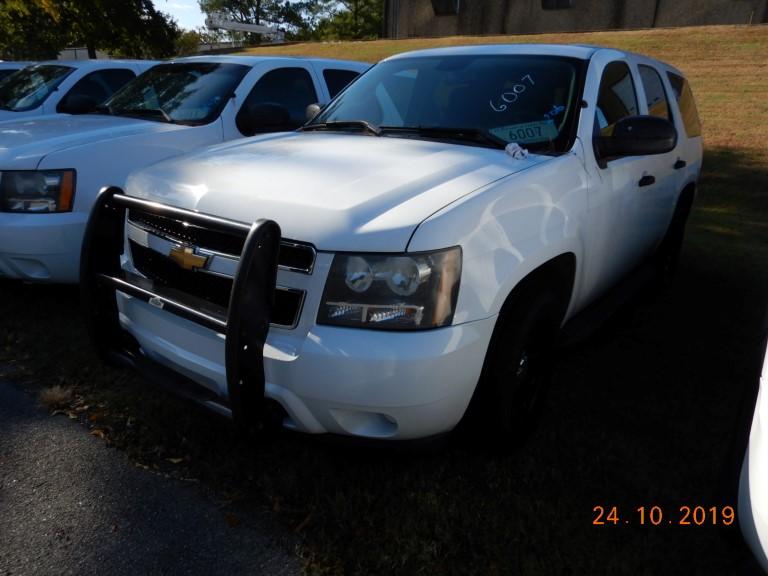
(518, 369)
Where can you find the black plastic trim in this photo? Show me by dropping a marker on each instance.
(248, 319)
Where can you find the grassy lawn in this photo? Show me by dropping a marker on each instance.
(650, 411)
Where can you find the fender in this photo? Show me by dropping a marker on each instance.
(510, 228)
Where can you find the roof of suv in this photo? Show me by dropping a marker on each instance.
(569, 50)
(253, 60)
(580, 51)
(92, 63)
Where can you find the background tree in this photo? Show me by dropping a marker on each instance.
(305, 19)
(352, 20)
(28, 32)
(188, 42)
(132, 28)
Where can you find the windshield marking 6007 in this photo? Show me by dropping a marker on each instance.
(476, 99)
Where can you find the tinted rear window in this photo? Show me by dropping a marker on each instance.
(687, 105)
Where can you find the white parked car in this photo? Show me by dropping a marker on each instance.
(64, 86)
(753, 487)
(51, 169)
(411, 251)
(8, 68)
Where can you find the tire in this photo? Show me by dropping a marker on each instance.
(667, 257)
(518, 370)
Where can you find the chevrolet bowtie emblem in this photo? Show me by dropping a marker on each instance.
(185, 257)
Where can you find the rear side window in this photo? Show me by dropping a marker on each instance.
(337, 80)
(6, 72)
(655, 96)
(290, 87)
(616, 99)
(99, 85)
(687, 105)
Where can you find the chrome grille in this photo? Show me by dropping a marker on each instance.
(293, 256)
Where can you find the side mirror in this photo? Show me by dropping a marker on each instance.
(637, 136)
(263, 117)
(312, 111)
(77, 104)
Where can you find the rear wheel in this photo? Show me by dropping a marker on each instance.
(667, 256)
(518, 369)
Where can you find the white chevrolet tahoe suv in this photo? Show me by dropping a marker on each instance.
(409, 253)
(64, 86)
(51, 169)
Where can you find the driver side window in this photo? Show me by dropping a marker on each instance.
(617, 98)
(291, 88)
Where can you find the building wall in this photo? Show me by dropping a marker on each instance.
(409, 18)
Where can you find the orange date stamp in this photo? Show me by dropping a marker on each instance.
(661, 516)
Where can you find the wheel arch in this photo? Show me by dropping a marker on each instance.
(557, 275)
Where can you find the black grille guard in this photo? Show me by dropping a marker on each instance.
(246, 323)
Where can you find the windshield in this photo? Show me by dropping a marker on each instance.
(531, 100)
(29, 87)
(183, 93)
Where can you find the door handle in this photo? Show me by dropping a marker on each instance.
(679, 164)
(647, 180)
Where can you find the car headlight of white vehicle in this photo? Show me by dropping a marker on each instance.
(37, 191)
(392, 291)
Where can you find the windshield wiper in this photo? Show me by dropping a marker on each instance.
(158, 113)
(474, 135)
(360, 125)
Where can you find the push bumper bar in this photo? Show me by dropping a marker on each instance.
(245, 324)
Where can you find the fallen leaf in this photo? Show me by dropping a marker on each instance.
(175, 460)
(95, 416)
(232, 520)
(99, 433)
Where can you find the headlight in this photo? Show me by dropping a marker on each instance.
(392, 292)
(39, 191)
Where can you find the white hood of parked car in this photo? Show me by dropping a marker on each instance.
(340, 192)
(24, 143)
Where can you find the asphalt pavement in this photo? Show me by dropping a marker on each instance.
(69, 504)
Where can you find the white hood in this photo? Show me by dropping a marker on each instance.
(24, 143)
(340, 192)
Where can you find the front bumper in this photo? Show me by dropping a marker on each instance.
(374, 384)
(41, 247)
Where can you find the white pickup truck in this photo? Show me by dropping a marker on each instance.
(65, 86)
(51, 169)
(409, 253)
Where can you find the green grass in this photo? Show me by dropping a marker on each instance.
(648, 412)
